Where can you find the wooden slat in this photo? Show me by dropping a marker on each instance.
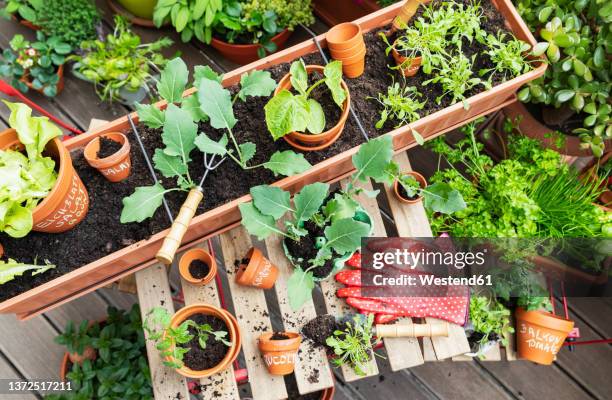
(91, 307)
(312, 371)
(7, 372)
(221, 386)
(253, 318)
(154, 291)
(411, 221)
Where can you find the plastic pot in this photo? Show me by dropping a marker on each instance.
(540, 335)
(422, 183)
(246, 53)
(408, 66)
(67, 203)
(197, 254)
(60, 84)
(234, 337)
(279, 355)
(139, 12)
(116, 167)
(259, 272)
(310, 142)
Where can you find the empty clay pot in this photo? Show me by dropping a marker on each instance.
(420, 179)
(540, 335)
(115, 167)
(279, 355)
(197, 254)
(408, 66)
(346, 44)
(259, 272)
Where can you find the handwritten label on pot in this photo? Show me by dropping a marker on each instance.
(539, 339)
(117, 169)
(281, 359)
(262, 274)
(69, 212)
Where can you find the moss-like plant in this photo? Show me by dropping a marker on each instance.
(72, 21)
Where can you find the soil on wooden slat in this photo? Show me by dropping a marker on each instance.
(101, 233)
(108, 147)
(320, 328)
(199, 359)
(198, 269)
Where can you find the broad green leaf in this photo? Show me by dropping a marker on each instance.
(333, 80)
(299, 76)
(271, 200)
(169, 166)
(539, 49)
(45, 132)
(192, 105)
(256, 83)
(441, 197)
(299, 288)
(309, 200)
(216, 102)
(599, 57)
(142, 204)
(20, 120)
(564, 95)
(316, 119)
(373, 157)
(205, 72)
(208, 146)
(173, 81)
(11, 268)
(344, 235)
(286, 113)
(182, 17)
(247, 150)
(179, 133)
(340, 207)
(287, 163)
(256, 223)
(150, 115)
(18, 221)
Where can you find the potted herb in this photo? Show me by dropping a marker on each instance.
(540, 335)
(38, 65)
(198, 341)
(488, 324)
(71, 21)
(25, 11)
(300, 118)
(78, 342)
(352, 344)
(121, 67)
(197, 267)
(279, 350)
(41, 185)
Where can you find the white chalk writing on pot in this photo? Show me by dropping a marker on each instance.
(279, 359)
(263, 273)
(117, 169)
(541, 340)
(75, 204)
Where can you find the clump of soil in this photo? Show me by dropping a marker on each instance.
(320, 328)
(108, 147)
(199, 359)
(305, 250)
(199, 269)
(278, 336)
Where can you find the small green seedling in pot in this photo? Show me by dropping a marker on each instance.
(353, 345)
(288, 112)
(509, 57)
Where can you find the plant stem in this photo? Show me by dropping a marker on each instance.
(313, 87)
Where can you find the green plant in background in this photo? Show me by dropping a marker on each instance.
(490, 320)
(72, 21)
(353, 345)
(577, 39)
(37, 63)
(76, 339)
(25, 179)
(28, 10)
(509, 57)
(10, 269)
(121, 62)
(287, 112)
(399, 104)
(385, 3)
(189, 17)
(289, 13)
(121, 370)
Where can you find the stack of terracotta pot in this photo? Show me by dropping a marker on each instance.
(346, 44)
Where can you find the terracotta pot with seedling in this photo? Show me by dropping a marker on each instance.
(279, 350)
(346, 44)
(540, 335)
(197, 267)
(199, 340)
(256, 270)
(110, 154)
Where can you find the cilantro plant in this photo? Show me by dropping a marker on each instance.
(25, 179)
(170, 340)
(10, 268)
(400, 104)
(353, 345)
(509, 57)
(490, 320)
(22, 9)
(287, 112)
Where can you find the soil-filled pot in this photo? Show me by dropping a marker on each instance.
(540, 335)
(234, 337)
(139, 12)
(401, 194)
(247, 53)
(408, 66)
(310, 142)
(279, 350)
(67, 203)
(114, 162)
(60, 84)
(256, 270)
(197, 267)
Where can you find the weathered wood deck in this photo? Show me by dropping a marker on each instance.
(27, 349)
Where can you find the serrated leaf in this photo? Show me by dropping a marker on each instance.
(208, 146)
(169, 166)
(256, 223)
(179, 133)
(299, 288)
(216, 103)
(247, 151)
(173, 81)
(142, 204)
(271, 200)
(373, 157)
(287, 163)
(316, 118)
(256, 83)
(299, 76)
(333, 80)
(309, 200)
(286, 113)
(441, 197)
(344, 235)
(150, 115)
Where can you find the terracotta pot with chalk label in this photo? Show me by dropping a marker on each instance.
(256, 271)
(540, 335)
(279, 350)
(115, 167)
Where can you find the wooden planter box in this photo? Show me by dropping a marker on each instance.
(334, 12)
(213, 222)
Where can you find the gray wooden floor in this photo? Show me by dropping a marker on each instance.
(27, 349)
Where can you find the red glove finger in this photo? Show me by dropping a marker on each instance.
(355, 260)
(371, 305)
(384, 318)
(349, 277)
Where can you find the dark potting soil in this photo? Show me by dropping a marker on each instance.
(404, 194)
(320, 328)
(101, 233)
(198, 269)
(199, 359)
(108, 147)
(305, 250)
(279, 336)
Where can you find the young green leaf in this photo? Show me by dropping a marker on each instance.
(179, 133)
(286, 113)
(10, 269)
(150, 115)
(373, 157)
(344, 235)
(441, 197)
(256, 223)
(287, 163)
(169, 166)
(191, 104)
(299, 288)
(256, 83)
(340, 207)
(142, 204)
(216, 103)
(309, 200)
(299, 76)
(208, 146)
(271, 200)
(316, 120)
(205, 72)
(173, 81)
(333, 75)
(247, 151)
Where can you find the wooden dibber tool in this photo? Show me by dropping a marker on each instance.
(413, 330)
(405, 14)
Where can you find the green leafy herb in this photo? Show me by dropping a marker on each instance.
(490, 319)
(399, 104)
(10, 269)
(353, 345)
(71, 21)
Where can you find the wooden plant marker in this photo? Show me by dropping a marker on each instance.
(312, 371)
(411, 221)
(253, 318)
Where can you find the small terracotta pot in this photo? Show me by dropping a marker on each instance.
(309, 142)
(422, 182)
(60, 84)
(25, 23)
(197, 254)
(259, 272)
(540, 335)
(89, 353)
(279, 355)
(116, 167)
(1, 250)
(409, 67)
(138, 12)
(344, 36)
(68, 202)
(342, 54)
(233, 331)
(246, 53)
(353, 66)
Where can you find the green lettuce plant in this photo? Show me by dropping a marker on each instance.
(25, 179)
(24, 9)
(287, 112)
(10, 269)
(72, 21)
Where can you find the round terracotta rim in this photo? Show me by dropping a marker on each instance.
(410, 70)
(422, 181)
(301, 147)
(274, 38)
(356, 36)
(270, 346)
(545, 319)
(197, 254)
(92, 148)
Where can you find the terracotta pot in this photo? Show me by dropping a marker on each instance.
(328, 394)
(420, 179)
(67, 203)
(309, 142)
(60, 84)
(64, 366)
(279, 355)
(25, 23)
(344, 36)
(408, 66)
(235, 337)
(531, 127)
(540, 335)
(115, 167)
(197, 254)
(343, 54)
(246, 53)
(89, 353)
(259, 272)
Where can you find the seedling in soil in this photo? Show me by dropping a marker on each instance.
(10, 269)
(509, 57)
(456, 77)
(399, 104)
(353, 345)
